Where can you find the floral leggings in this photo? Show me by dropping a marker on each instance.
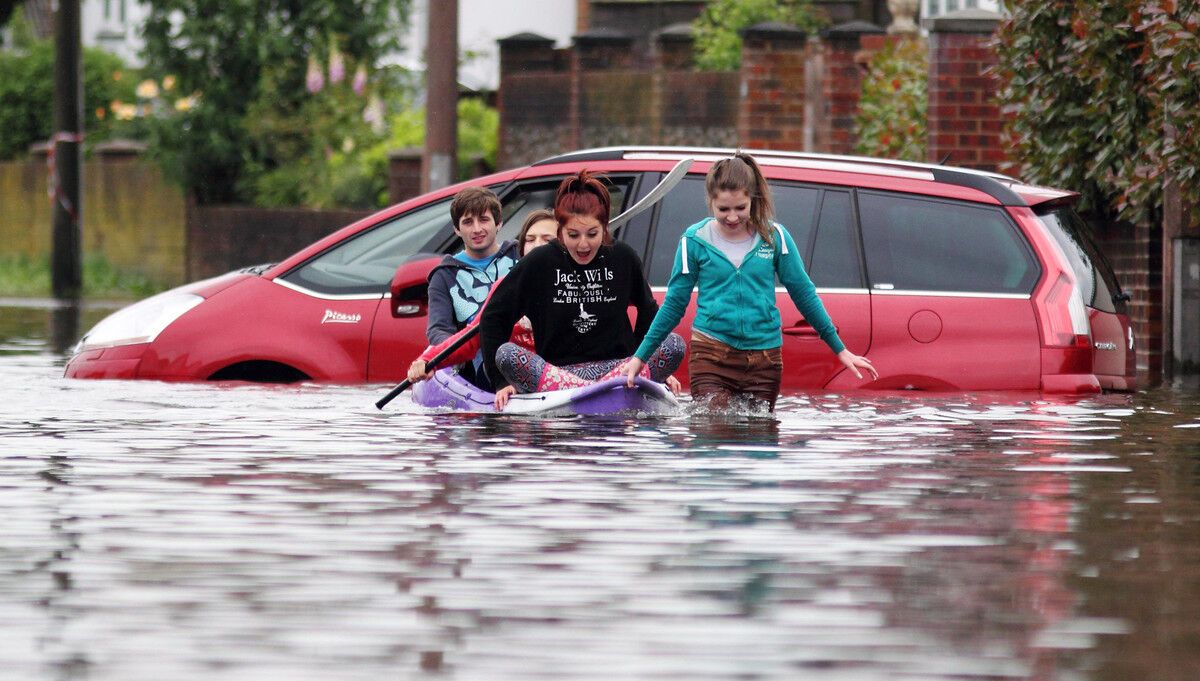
(529, 373)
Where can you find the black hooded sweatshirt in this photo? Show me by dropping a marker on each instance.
(579, 312)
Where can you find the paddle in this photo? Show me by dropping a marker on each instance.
(654, 196)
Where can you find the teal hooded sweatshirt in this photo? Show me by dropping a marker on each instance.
(736, 305)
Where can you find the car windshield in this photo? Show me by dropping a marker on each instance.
(1097, 282)
(365, 263)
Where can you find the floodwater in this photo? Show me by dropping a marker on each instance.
(165, 531)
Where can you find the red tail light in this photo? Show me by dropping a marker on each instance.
(1066, 335)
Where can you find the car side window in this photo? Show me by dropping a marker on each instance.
(835, 261)
(366, 262)
(687, 203)
(681, 208)
(526, 198)
(916, 244)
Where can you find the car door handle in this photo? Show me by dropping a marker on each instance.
(803, 329)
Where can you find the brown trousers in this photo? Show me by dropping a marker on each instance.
(718, 372)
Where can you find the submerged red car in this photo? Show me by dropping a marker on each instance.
(947, 278)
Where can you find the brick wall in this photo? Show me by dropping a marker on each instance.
(534, 100)
(773, 82)
(964, 120)
(1135, 252)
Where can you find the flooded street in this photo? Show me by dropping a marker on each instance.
(191, 531)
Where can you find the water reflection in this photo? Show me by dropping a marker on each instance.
(192, 531)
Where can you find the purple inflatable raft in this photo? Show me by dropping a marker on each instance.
(447, 390)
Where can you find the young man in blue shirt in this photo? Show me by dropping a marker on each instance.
(459, 285)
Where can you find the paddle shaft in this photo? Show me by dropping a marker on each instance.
(429, 366)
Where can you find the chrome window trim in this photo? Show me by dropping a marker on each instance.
(952, 294)
(780, 289)
(329, 296)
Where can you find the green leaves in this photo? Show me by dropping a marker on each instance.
(718, 47)
(1106, 106)
(891, 119)
(247, 60)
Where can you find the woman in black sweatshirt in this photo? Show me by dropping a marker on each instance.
(576, 293)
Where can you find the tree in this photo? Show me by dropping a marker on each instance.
(232, 53)
(718, 45)
(27, 91)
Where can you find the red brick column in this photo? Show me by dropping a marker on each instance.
(774, 64)
(533, 122)
(964, 119)
(847, 48)
(404, 174)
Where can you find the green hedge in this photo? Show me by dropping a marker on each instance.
(1092, 89)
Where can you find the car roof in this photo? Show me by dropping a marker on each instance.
(1003, 188)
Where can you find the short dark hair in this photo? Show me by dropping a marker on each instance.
(474, 201)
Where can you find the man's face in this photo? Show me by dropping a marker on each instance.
(478, 234)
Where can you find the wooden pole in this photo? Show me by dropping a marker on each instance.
(439, 165)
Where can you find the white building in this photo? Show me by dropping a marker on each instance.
(115, 25)
(480, 24)
(936, 8)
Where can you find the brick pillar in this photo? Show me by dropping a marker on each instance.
(672, 56)
(522, 56)
(598, 50)
(774, 64)
(404, 174)
(964, 119)
(847, 48)
(673, 47)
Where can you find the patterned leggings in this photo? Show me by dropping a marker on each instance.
(529, 373)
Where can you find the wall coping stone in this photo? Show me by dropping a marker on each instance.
(525, 39)
(851, 30)
(680, 32)
(966, 21)
(774, 29)
(119, 147)
(405, 153)
(603, 36)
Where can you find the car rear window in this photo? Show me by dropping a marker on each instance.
(919, 244)
(1096, 279)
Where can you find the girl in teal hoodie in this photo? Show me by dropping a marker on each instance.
(733, 259)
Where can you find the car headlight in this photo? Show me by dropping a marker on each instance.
(140, 322)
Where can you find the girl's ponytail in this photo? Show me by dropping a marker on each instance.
(740, 172)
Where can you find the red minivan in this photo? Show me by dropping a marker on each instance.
(948, 279)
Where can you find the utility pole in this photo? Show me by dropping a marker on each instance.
(66, 262)
(439, 161)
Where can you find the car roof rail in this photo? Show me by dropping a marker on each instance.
(988, 182)
(618, 153)
(984, 183)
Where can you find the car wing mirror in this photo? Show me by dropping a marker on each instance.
(410, 286)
